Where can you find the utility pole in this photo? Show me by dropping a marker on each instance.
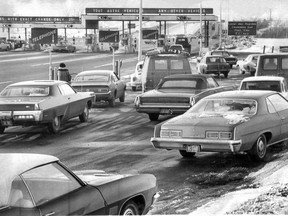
(200, 50)
(140, 33)
(220, 37)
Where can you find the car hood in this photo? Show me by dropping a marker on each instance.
(5, 100)
(209, 120)
(98, 177)
(170, 92)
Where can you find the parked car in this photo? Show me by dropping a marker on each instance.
(231, 121)
(38, 184)
(272, 64)
(175, 94)
(64, 47)
(230, 59)
(5, 46)
(42, 102)
(248, 64)
(213, 65)
(104, 83)
(273, 83)
(158, 65)
(135, 78)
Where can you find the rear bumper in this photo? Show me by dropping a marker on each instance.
(15, 118)
(162, 109)
(205, 144)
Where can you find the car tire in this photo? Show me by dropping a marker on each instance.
(252, 73)
(112, 101)
(2, 129)
(185, 154)
(133, 88)
(130, 208)
(259, 149)
(85, 114)
(153, 116)
(122, 98)
(226, 74)
(54, 126)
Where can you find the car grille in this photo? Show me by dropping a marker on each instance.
(17, 107)
(166, 100)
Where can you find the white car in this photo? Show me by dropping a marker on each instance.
(248, 64)
(135, 78)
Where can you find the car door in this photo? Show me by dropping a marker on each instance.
(58, 192)
(281, 106)
(75, 102)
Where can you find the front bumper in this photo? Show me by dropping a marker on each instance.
(206, 145)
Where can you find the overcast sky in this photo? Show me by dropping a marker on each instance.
(231, 9)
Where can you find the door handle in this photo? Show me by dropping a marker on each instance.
(50, 213)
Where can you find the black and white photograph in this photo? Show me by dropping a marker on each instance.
(142, 107)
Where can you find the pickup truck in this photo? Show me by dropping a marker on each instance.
(273, 83)
(177, 93)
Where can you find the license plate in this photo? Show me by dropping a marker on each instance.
(166, 111)
(5, 113)
(193, 148)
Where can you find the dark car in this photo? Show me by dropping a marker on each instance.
(64, 47)
(214, 65)
(231, 121)
(42, 102)
(175, 94)
(104, 83)
(230, 59)
(37, 185)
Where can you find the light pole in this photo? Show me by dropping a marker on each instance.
(200, 49)
(220, 37)
(140, 33)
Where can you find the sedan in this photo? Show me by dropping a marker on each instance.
(175, 94)
(248, 64)
(104, 83)
(213, 65)
(64, 47)
(230, 59)
(42, 102)
(231, 121)
(38, 184)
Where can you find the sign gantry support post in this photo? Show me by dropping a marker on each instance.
(140, 33)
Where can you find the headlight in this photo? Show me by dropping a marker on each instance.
(171, 133)
(223, 135)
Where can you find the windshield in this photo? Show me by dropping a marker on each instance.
(183, 84)
(225, 106)
(30, 91)
(93, 77)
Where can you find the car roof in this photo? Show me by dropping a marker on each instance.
(14, 164)
(187, 76)
(263, 78)
(91, 72)
(274, 54)
(38, 82)
(243, 94)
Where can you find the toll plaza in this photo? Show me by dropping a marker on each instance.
(45, 29)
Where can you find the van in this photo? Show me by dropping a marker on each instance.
(158, 65)
(272, 64)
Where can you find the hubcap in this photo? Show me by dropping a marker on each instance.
(261, 147)
(128, 212)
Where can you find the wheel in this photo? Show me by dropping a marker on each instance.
(226, 75)
(130, 208)
(112, 101)
(84, 116)
(252, 73)
(133, 88)
(55, 125)
(231, 65)
(122, 98)
(2, 129)
(153, 116)
(187, 154)
(259, 149)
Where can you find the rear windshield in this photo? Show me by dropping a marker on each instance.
(261, 85)
(163, 64)
(97, 77)
(31, 91)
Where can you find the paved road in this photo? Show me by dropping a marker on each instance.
(117, 139)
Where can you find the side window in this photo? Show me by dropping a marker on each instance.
(66, 89)
(19, 195)
(284, 84)
(211, 83)
(49, 182)
(278, 102)
(271, 108)
(284, 63)
(270, 63)
(161, 64)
